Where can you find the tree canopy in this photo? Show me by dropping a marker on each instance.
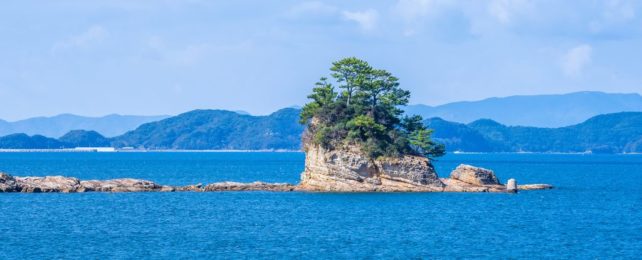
(365, 111)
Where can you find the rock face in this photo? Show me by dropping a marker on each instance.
(351, 171)
(474, 175)
(7, 183)
(467, 178)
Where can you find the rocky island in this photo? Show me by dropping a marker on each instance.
(356, 140)
(406, 176)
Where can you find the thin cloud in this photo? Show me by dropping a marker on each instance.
(313, 7)
(614, 12)
(95, 34)
(576, 59)
(410, 10)
(506, 10)
(367, 19)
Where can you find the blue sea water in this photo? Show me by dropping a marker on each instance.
(595, 211)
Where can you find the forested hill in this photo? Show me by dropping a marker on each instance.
(219, 129)
(611, 133)
(535, 110)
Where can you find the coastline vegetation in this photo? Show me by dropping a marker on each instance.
(365, 111)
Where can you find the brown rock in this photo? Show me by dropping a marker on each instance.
(123, 185)
(197, 187)
(453, 185)
(254, 186)
(348, 170)
(535, 187)
(8, 183)
(474, 175)
(48, 184)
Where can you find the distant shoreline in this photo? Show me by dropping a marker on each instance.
(73, 150)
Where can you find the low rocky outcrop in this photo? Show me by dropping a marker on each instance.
(123, 185)
(48, 184)
(535, 187)
(474, 175)
(325, 171)
(8, 183)
(254, 186)
(467, 178)
(63, 184)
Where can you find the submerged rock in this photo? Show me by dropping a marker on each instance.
(453, 185)
(254, 186)
(535, 187)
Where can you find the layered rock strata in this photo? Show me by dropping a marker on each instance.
(348, 170)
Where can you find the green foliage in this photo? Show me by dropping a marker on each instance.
(351, 73)
(420, 139)
(363, 127)
(610, 133)
(23, 141)
(323, 96)
(83, 138)
(218, 129)
(366, 112)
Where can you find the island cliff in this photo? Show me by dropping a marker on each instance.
(351, 171)
(359, 140)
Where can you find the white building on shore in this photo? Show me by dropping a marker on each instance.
(95, 149)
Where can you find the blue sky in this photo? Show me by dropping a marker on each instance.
(167, 57)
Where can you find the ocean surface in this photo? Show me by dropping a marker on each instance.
(595, 211)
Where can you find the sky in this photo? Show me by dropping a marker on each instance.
(153, 57)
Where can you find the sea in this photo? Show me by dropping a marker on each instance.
(594, 212)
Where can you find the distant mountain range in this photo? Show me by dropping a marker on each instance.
(56, 126)
(610, 133)
(219, 129)
(194, 130)
(538, 110)
(228, 130)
